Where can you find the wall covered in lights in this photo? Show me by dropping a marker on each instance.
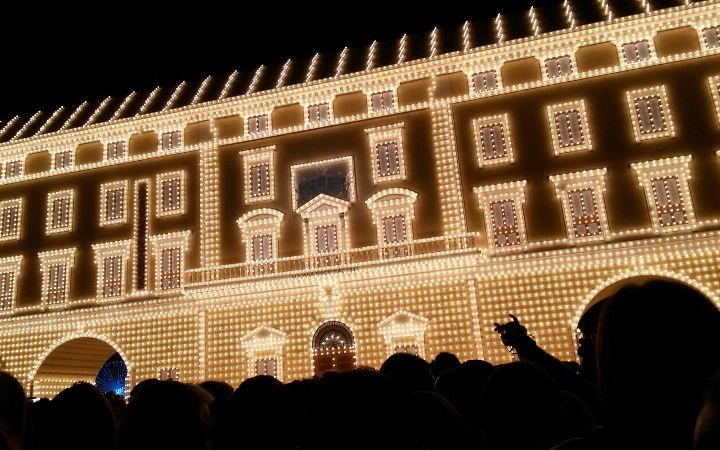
(406, 206)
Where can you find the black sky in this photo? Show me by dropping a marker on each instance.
(65, 56)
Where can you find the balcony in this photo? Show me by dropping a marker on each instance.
(334, 261)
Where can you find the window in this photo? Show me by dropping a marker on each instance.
(558, 67)
(170, 189)
(666, 188)
(266, 366)
(169, 250)
(260, 233)
(9, 273)
(112, 203)
(257, 124)
(485, 81)
(326, 239)
(170, 140)
(408, 348)
(55, 266)
(394, 229)
(381, 101)
(264, 351)
(669, 201)
(63, 160)
(504, 222)
(57, 283)
(13, 169)
(581, 196)
(319, 112)
(404, 332)
(712, 37)
(258, 170)
(387, 154)
(116, 150)
(636, 51)
(10, 219)
(170, 374)
(112, 276)
(652, 118)
(569, 127)
(586, 221)
(170, 270)
(111, 259)
(7, 290)
(59, 212)
(262, 247)
(393, 211)
(259, 180)
(492, 140)
(332, 177)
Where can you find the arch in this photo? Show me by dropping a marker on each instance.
(333, 335)
(613, 284)
(392, 194)
(76, 356)
(333, 347)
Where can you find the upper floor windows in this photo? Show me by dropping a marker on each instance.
(581, 196)
(116, 150)
(711, 36)
(10, 213)
(63, 160)
(260, 233)
(666, 188)
(569, 127)
(393, 211)
(319, 112)
(558, 67)
(257, 124)
(59, 212)
(170, 190)
(113, 203)
(387, 153)
(504, 221)
(169, 250)
(112, 259)
(382, 101)
(13, 169)
(492, 140)
(636, 51)
(170, 140)
(484, 81)
(9, 273)
(259, 174)
(56, 267)
(326, 239)
(651, 113)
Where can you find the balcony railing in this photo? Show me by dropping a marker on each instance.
(333, 261)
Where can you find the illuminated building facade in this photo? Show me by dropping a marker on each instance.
(320, 217)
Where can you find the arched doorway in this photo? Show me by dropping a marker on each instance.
(333, 348)
(74, 360)
(587, 317)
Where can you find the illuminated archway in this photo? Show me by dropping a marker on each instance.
(613, 284)
(72, 359)
(333, 348)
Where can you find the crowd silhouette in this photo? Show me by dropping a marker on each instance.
(647, 380)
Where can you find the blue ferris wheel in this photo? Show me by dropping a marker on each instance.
(111, 376)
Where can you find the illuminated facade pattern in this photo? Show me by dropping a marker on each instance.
(10, 216)
(484, 81)
(332, 220)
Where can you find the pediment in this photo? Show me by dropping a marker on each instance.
(405, 321)
(323, 203)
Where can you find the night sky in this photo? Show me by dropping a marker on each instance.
(62, 57)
